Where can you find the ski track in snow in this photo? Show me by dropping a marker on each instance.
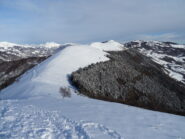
(31, 122)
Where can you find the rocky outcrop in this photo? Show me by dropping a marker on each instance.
(131, 78)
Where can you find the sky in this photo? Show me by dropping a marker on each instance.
(85, 21)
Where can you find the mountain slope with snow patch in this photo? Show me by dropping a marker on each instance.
(15, 59)
(168, 54)
(12, 51)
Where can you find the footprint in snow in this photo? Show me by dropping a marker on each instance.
(30, 123)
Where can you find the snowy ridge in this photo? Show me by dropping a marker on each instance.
(50, 44)
(8, 44)
(49, 74)
(47, 44)
(159, 43)
(33, 108)
(108, 46)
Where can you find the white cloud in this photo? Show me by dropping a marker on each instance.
(87, 20)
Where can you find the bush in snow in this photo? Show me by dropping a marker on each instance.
(65, 92)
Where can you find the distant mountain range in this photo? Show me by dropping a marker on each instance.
(168, 54)
(15, 59)
(11, 51)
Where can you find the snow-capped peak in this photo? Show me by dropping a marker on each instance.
(13, 51)
(108, 45)
(47, 44)
(8, 44)
(50, 44)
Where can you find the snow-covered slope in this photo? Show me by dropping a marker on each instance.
(9, 44)
(12, 51)
(15, 59)
(108, 46)
(170, 55)
(34, 108)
